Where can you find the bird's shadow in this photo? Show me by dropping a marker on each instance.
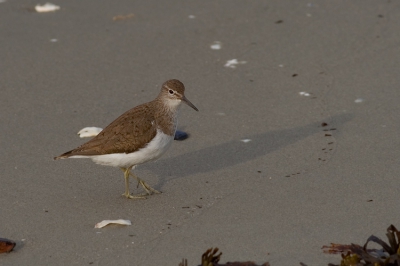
(234, 152)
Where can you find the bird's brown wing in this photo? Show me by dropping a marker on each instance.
(128, 133)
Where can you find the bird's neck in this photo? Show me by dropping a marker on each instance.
(166, 116)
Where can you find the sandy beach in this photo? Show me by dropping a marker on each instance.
(294, 146)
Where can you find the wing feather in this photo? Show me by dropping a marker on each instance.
(128, 133)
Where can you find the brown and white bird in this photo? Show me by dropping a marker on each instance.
(142, 134)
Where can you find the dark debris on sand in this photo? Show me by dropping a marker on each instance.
(210, 258)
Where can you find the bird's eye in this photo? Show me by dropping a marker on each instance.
(171, 92)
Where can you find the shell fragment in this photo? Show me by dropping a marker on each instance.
(89, 132)
(48, 7)
(107, 222)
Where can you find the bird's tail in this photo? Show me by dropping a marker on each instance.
(64, 155)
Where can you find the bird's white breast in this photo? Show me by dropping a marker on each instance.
(152, 151)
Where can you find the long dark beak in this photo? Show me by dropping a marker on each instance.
(185, 100)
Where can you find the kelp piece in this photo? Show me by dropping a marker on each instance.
(355, 255)
(6, 245)
(211, 258)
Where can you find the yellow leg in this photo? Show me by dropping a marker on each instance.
(149, 190)
(127, 193)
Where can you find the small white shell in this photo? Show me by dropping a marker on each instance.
(48, 7)
(303, 93)
(107, 222)
(89, 132)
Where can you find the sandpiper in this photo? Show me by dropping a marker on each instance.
(142, 134)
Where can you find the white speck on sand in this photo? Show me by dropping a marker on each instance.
(216, 45)
(245, 140)
(359, 100)
(191, 16)
(303, 93)
(233, 62)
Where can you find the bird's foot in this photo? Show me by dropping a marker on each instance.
(129, 196)
(149, 190)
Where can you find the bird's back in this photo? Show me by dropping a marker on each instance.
(128, 133)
